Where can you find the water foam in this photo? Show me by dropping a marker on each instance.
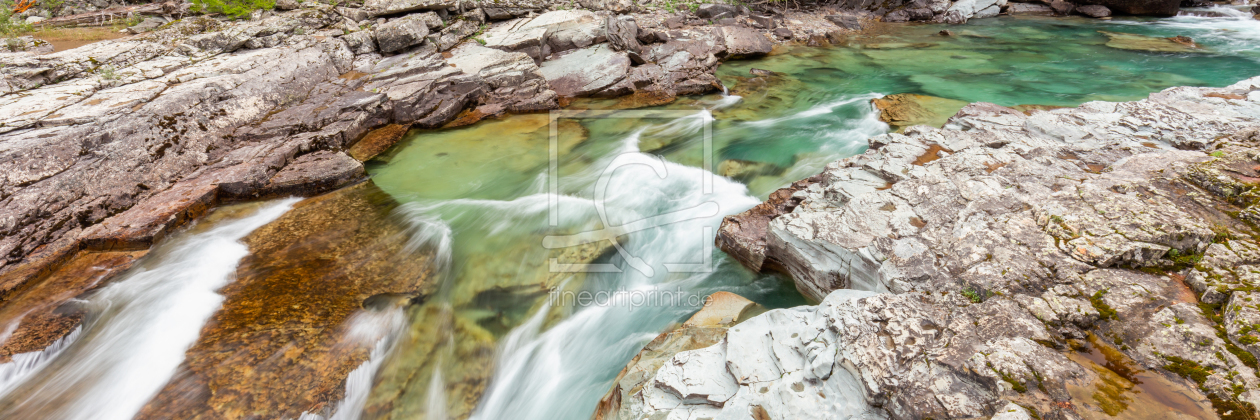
(136, 331)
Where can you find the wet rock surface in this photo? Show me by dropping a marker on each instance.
(113, 144)
(300, 314)
(907, 109)
(987, 254)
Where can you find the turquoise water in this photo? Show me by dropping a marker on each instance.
(481, 194)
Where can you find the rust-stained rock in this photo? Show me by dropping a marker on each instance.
(38, 309)
(439, 339)
(277, 348)
(906, 109)
(721, 309)
(377, 141)
(1135, 42)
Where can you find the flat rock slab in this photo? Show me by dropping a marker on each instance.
(586, 71)
(389, 7)
(742, 42)
(314, 173)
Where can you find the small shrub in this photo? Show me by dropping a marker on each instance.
(233, 8)
(11, 26)
(107, 72)
(973, 295)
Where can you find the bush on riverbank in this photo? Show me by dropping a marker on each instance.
(11, 26)
(233, 8)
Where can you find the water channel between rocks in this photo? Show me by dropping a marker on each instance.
(465, 219)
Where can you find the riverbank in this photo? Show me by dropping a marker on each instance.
(973, 270)
(120, 143)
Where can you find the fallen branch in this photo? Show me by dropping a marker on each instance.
(23, 6)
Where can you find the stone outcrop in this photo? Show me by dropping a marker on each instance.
(705, 328)
(992, 258)
(166, 124)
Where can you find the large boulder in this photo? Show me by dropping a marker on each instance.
(622, 33)
(1035, 9)
(1138, 7)
(715, 11)
(400, 34)
(743, 42)
(976, 8)
(1094, 11)
(513, 79)
(586, 71)
(546, 34)
(508, 9)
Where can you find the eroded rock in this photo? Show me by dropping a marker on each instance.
(1039, 230)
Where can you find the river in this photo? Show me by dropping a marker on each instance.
(565, 245)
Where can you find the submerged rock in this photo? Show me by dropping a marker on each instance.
(907, 109)
(442, 351)
(1135, 42)
(293, 322)
(39, 310)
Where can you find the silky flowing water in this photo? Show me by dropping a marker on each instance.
(514, 331)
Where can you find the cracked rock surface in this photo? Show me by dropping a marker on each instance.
(1093, 262)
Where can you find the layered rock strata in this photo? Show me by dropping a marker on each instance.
(1071, 263)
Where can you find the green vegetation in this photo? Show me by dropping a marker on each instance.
(233, 8)
(1105, 311)
(107, 72)
(1228, 406)
(1186, 259)
(1212, 312)
(973, 295)
(11, 26)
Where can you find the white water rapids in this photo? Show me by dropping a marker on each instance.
(136, 330)
(558, 373)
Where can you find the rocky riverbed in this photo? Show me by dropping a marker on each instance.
(968, 271)
(113, 146)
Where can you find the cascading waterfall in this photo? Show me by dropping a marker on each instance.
(136, 331)
(380, 327)
(25, 364)
(556, 358)
(437, 396)
(548, 374)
